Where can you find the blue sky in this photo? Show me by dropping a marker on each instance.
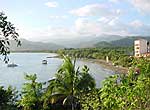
(62, 19)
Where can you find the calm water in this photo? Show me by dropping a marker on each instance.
(32, 63)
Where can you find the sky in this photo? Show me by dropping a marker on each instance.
(44, 20)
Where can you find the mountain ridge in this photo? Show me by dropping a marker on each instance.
(86, 41)
(27, 45)
(108, 41)
(124, 42)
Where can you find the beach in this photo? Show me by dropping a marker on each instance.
(108, 65)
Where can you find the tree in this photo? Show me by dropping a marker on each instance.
(31, 94)
(123, 91)
(69, 83)
(8, 98)
(131, 93)
(91, 100)
(7, 33)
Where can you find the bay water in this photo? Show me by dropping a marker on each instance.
(31, 63)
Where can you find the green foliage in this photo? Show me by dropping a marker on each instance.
(116, 55)
(91, 100)
(123, 91)
(74, 88)
(69, 83)
(123, 42)
(31, 94)
(8, 98)
(7, 32)
(62, 93)
(127, 94)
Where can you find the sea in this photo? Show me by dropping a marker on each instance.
(31, 63)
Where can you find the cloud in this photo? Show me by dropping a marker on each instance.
(103, 19)
(113, 22)
(95, 10)
(111, 26)
(141, 5)
(52, 4)
(84, 27)
(136, 24)
(101, 26)
(46, 33)
(114, 1)
(54, 17)
(139, 28)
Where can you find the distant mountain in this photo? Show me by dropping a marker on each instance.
(86, 41)
(124, 42)
(103, 44)
(33, 46)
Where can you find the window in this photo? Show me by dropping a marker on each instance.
(137, 47)
(136, 44)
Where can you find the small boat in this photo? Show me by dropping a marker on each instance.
(44, 61)
(52, 57)
(12, 65)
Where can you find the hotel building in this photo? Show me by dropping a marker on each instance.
(141, 48)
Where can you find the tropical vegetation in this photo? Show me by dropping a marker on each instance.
(70, 82)
(73, 88)
(116, 55)
(7, 33)
(124, 91)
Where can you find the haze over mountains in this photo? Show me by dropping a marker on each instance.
(33, 46)
(88, 42)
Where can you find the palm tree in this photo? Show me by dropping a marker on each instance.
(69, 83)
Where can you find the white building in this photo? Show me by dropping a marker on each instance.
(140, 47)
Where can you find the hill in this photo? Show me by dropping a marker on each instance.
(86, 41)
(91, 41)
(103, 44)
(34, 46)
(124, 42)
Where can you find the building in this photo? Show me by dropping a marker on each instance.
(141, 48)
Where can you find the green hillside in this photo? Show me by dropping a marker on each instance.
(124, 42)
(103, 44)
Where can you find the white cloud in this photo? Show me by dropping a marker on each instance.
(94, 10)
(86, 27)
(114, 1)
(101, 26)
(52, 4)
(57, 17)
(141, 5)
(111, 26)
(139, 28)
(136, 24)
(46, 33)
(113, 22)
(103, 19)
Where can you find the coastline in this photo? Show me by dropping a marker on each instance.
(104, 64)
